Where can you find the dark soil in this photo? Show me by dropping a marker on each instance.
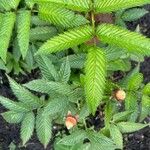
(10, 133)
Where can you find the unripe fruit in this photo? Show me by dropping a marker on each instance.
(71, 121)
(120, 95)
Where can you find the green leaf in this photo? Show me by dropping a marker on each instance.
(95, 77)
(47, 68)
(14, 106)
(79, 5)
(146, 89)
(135, 82)
(128, 127)
(145, 107)
(27, 127)
(13, 117)
(23, 30)
(84, 112)
(56, 105)
(30, 3)
(8, 5)
(73, 139)
(123, 38)
(133, 14)
(121, 116)
(60, 16)
(24, 95)
(116, 136)
(7, 24)
(76, 60)
(65, 71)
(43, 128)
(67, 40)
(42, 33)
(49, 87)
(131, 104)
(107, 6)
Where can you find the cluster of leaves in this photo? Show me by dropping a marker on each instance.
(76, 77)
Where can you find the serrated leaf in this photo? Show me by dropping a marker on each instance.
(107, 6)
(74, 138)
(60, 16)
(135, 82)
(47, 68)
(65, 71)
(23, 31)
(42, 33)
(7, 24)
(116, 136)
(49, 87)
(43, 128)
(128, 127)
(8, 5)
(67, 40)
(123, 38)
(24, 95)
(80, 5)
(56, 105)
(13, 117)
(27, 127)
(121, 116)
(133, 14)
(14, 106)
(146, 89)
(95, 78)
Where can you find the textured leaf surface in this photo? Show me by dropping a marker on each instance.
(106, 6)
(66, 40)
(77, 5)
(56, 105)
(134, 14)
(24, 95)
(23, 30)
(42, 33)
(43, 128)
(13, 117)
(60, 16)
(7, 24)
(128, 127)
(124, 39)
(49, 87)
(8, 5)
(116, 136)
(47, 68)
(74, 138)
(95, 78)
(27, 127)
(14, 106)
(65, 71)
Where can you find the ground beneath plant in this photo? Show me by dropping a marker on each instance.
(9, 134)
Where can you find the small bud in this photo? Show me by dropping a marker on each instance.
(71, 121)
(120, 95)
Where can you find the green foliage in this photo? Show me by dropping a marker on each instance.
(60, 16)
(66, 40)
(77, 59)
(124, 39)
(134, 14)
(27, 127)
(23, 30)
(107, 6)
(95, 77)
(80, 5)
(7, 24)
(43, 128)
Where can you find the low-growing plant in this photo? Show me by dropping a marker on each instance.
(75, 82)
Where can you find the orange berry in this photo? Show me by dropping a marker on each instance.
(120, 95)
(71, 121)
